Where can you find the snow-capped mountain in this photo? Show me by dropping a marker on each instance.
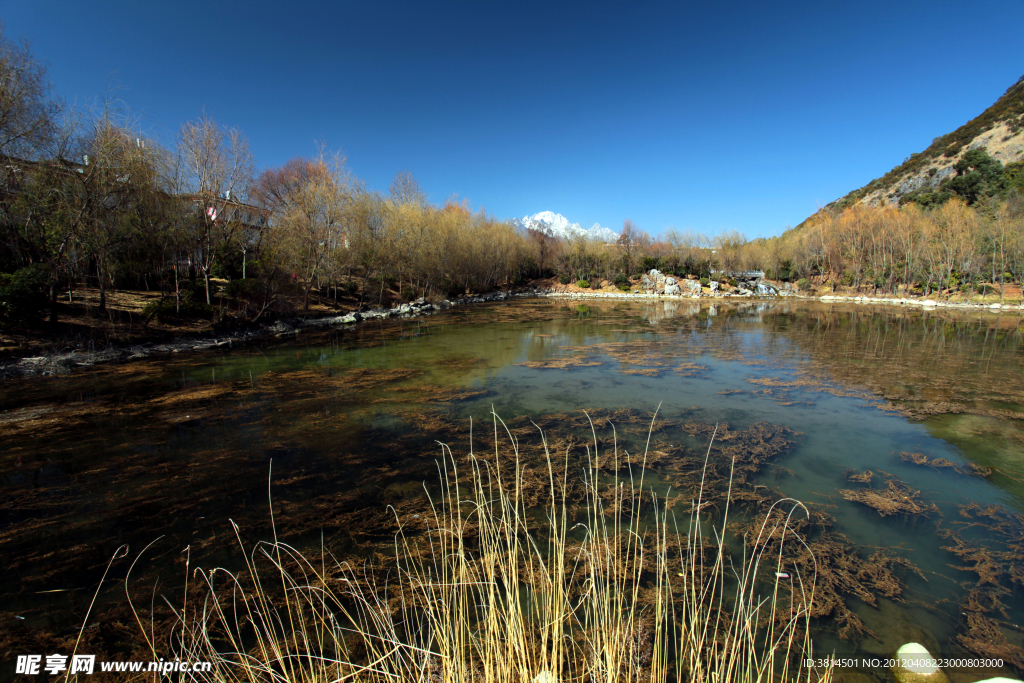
(557, 225)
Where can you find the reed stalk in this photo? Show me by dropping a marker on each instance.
(494, 591)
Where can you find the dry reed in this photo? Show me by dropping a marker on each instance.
(495, 591)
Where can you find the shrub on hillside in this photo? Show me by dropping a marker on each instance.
(583, 284)
(803, 283)
(242, 289)
(248, 293)
(23, 295)
(449, 288)
(165, 310)
(193, 304)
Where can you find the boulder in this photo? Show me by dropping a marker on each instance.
(280, 327)
(672, 289)
(714, 285)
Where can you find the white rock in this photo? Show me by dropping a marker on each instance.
(914, 664)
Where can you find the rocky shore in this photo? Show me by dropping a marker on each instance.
(827, 298)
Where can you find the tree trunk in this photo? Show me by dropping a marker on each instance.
(177, 290)
(53, 300)
(103, 285)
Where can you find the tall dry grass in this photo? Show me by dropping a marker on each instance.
(494, 591)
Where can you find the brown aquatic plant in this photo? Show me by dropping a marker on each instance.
(489, 590)
(896, 498)
(945, 463)
(864, 477)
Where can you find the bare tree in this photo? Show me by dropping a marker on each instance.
(216, 170)
(111, 191)
(633, 242)
(27, 111)
(405, 189)
(315, 219)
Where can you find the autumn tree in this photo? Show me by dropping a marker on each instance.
(405, 189)
(728, 249)
(111, 192)
(632, 242)
(314, 219)
(543, 249)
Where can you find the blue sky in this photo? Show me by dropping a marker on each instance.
(708, 116)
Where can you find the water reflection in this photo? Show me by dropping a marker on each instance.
(351, 420)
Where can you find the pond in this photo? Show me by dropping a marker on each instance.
(902, 431)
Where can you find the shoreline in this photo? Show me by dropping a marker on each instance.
(67, 362)
(62, 363)
(824, 298)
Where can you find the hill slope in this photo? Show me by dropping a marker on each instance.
(1000, 129)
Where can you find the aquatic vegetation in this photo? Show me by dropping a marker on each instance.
(1000, 575)
(864, 477)
(351, 418)
(895, 499)
(562, 363)
(485, 590)
(945, 463)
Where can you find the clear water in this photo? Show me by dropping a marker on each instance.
(174, 449)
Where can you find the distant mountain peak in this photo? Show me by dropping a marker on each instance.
(557, 225)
